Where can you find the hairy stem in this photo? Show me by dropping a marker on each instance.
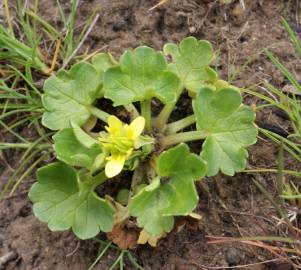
(147, 114)
(183, 137)
(181, 124)
(102, 115)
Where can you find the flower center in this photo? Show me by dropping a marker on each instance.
(117, 144)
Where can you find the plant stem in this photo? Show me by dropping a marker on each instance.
(108, 245)
(183, 137)
(23, 162)
(102, 115)
(132, 110)
(136, 179)
(8, 18)
(27, 172)
(291, 197)
(162, 118)
(133, 261)
(147, 114)
(180, 124)
(117, 260)
(281, 211)
(290, 172)
(66, 62)
(280, 177)
(98, 179)
(22, 145)
(69, 37)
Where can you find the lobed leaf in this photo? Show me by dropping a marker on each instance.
(69, 94)
(230, 128)
(83, 137)
(148, 206)
(61, 202)
(178, 161)
(71, 151)
(190, 61)
(156, 204)
(141, 75)
(101, 62)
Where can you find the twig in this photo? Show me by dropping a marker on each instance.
(274, 250)
(162, 2)
(199, 26)
(55, 56)
(234, 267)
(73, 251)
(7, 257)
(269, 93)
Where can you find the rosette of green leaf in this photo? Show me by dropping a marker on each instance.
(190, 61)
(72, 151)
(229, 127)
(156, 204)
(141, 75)
(69, 96)
(63, 200)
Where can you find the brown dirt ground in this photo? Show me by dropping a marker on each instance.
(233, 207)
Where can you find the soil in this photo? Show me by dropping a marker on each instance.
(229, 206)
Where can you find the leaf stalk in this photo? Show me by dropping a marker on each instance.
(100, 114)
(99, 179)
(147, 114)
(183, 137)
(180, 124)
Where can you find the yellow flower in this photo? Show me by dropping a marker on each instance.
(120, 142)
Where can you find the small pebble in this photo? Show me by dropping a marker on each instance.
(233, 256)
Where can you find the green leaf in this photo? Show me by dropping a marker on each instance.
(141, 76)
(71, 151)
(179, 161)
(191, 62)
(148, 206)
(156, 204)
(83, 137)
(230, 128)
(68, 96)
(60, 202)
(101, 62)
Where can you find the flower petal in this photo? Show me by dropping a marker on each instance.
(115, 125)
(136, 127)
(114, 165)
